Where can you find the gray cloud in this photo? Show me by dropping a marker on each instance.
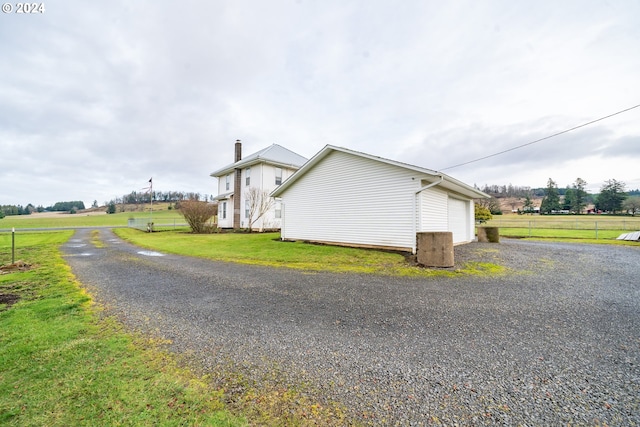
(97, 97)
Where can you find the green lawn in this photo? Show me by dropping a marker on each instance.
(63, 365)
(604, 228)
(267, 249)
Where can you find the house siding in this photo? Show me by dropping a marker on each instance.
(227, 221)
(263, 177)
(352, 199)
(260, 169)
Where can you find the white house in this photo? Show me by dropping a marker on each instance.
(262, 171)
(350, 198)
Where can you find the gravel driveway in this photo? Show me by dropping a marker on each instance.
(554, 342)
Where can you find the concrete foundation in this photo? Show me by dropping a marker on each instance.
(435, 249)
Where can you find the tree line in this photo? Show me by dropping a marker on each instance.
(612, 198)
(72, 207)
(141, 197)
(507, 191)
(135, 197)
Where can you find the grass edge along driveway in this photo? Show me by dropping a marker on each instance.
(65, 364)
(266, 249)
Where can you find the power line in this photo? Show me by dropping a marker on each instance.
(542, 139)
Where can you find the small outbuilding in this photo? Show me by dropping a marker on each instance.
(349, 198)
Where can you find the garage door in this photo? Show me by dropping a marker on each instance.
(459, 220)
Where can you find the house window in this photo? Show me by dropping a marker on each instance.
(224, 210)
(278, 176)
(227, 182)
(278, 210)
(247, 174)
(246, 209)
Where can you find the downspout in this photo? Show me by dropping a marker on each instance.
(415, 208)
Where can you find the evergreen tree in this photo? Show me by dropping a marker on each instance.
(551, 201)
(579, 201)
(528, 205)
(569, 197)
(611, 196)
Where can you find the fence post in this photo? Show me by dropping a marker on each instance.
(13, 245)
(529, 228)
(596, 230)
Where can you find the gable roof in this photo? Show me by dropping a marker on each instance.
(447, 181)
(275, 155)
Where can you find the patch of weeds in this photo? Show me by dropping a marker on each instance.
(482, 269)
(268, 401)
(95, 239)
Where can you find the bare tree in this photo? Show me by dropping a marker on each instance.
(492, 204)
(197, 213)
(258, 204)
(632, 205)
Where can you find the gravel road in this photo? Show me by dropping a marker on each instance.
(556, 341)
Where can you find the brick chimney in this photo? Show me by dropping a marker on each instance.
(238, 155)
(237, 186)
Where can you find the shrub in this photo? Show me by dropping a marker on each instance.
(482, 214)
(197, 214)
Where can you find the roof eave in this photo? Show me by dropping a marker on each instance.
(459, 187)
(241, 165)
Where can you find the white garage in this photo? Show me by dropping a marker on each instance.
(349, 198)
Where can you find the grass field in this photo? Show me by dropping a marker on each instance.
(63, 365)
(84, 220)
(600, 227)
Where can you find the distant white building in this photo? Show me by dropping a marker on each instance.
(350, 198)
(264, 171)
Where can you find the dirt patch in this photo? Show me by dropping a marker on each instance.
(7, 300)
(16, 266)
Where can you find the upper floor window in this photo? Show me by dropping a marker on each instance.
(227, 182)
(247, 174)
(278, 176)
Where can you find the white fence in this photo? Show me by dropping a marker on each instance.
(145, 224)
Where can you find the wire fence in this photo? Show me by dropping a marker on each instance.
(563, 224)
(565, 227)
(145, 224)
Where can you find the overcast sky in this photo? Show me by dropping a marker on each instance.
(97, 97)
